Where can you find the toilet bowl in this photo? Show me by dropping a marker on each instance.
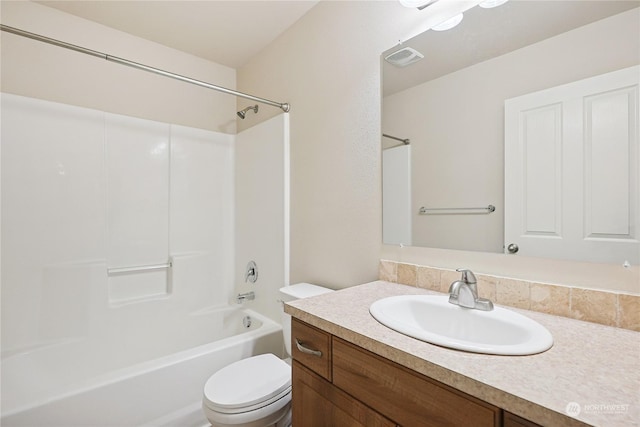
(256, 391)
(252, 392)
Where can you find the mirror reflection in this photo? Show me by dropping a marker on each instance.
(478, 152)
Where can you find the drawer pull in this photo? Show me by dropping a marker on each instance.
(307, 350)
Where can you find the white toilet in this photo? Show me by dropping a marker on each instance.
(256, 392)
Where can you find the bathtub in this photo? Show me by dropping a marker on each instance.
(69, 383)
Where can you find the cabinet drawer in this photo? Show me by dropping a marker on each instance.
(311, 347)
(406, 397)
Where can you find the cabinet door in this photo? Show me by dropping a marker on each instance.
(511, 420)
(404, 396)
(318, 403)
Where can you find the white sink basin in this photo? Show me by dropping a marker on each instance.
(433, 319)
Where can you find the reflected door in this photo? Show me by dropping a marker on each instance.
(571, 170)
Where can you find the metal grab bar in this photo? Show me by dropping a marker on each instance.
(456, 211)
(138, 269)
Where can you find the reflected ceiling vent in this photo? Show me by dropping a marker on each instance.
(403, 57)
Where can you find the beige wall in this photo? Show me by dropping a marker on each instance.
(327, 66)
(39, 70)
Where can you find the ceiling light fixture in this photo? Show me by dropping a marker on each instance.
(420, 4)
(488, 4)
(449, 23)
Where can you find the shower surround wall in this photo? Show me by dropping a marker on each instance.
(84, 192)
(262, 211)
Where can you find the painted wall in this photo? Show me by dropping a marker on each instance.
(327, 66)
(469, 158)
(39, 70)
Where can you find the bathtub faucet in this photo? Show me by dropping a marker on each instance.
(249, 296)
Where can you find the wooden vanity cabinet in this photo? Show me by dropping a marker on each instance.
(338, 384)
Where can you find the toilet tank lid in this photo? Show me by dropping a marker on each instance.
(303, 290)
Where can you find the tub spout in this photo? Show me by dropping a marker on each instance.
(249, 296)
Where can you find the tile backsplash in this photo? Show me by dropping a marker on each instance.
(607, 308)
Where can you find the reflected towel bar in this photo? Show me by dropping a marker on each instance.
(456, 211)
(138, 269)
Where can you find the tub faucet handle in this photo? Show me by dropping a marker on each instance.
(251, 275)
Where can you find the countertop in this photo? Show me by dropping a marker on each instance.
(592, 371)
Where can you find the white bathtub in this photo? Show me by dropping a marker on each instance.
(71, 384)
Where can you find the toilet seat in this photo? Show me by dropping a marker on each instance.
(248, 385)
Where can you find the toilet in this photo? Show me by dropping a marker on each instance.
(256, 392)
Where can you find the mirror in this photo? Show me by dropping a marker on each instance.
(446, 187)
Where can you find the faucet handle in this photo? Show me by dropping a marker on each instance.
(467, 276)
(251, 275)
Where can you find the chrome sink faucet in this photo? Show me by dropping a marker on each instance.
(464, 292)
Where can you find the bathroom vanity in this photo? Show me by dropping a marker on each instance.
(374, 382)
(349, 370)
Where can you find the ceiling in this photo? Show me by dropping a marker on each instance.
(486, 33)
(230, 32)
(225, 32)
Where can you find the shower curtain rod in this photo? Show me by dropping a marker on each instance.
(283, 106)
(405, 141)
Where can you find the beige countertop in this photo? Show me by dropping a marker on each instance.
(592, 368)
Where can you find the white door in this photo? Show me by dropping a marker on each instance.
(571, 170)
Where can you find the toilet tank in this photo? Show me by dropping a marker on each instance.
(291, 293)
